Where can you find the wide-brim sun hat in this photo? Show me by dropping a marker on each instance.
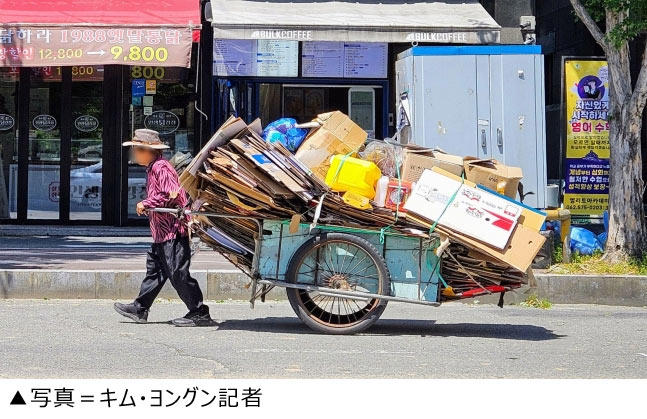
(146, 138)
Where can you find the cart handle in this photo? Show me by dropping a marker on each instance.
(181, 213)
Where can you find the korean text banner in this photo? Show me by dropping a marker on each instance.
(41, 46)
(587, 136)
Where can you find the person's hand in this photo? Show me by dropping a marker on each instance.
(141, 210)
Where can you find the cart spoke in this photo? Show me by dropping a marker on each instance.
(338, 266)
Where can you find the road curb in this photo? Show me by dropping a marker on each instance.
(50, 283)
(620, 290)
(629, 290)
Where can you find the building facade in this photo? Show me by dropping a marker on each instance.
(313, 57)
(63, 118)
(75, 82)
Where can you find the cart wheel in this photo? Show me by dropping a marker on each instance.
(341, 261)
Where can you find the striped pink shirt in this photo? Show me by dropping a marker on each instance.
(162, 182)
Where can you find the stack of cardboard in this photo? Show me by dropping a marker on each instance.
(239, 174)
(487, 240)
(465, 269)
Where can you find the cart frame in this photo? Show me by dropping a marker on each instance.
(267, 284)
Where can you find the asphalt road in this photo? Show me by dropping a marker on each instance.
(89, 253)
(86, 339)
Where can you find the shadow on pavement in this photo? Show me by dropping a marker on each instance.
(464, 330)
(401, 327)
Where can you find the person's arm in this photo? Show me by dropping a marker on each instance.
(164, 190)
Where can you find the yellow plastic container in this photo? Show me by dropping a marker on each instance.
(356, 200)
(354, 175)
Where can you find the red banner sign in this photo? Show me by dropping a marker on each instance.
(37, 46)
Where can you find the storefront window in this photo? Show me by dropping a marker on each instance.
(305, 102)
(8, 141)
(162, 99)
(44, 143)
(87, 143)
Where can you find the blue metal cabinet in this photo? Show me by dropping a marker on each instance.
(482, 101)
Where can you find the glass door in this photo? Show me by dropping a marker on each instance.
(86, 174)
(44, 173)
(65, 152)
(161, 99)
(8, 141)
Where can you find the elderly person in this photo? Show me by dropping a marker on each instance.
(170, 253)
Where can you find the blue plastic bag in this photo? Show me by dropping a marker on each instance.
(584, 241)
(284, 131)
(602, 238)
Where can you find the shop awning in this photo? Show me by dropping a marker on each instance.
(92, 32)
(449, 21)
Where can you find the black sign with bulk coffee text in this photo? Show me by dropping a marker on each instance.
(86, 123)
(164, 122)
(6, 122)
(44, 122)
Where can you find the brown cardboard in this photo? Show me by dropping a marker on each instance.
(338, 134)
(523, 246)
(521, 250)
(227, 131)
(256, 157)
(530, 219)
(493, 175)
(416, 159)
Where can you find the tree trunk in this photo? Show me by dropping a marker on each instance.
(626, 187)
(627, 229)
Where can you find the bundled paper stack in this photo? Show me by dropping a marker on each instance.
(239, 174)
(487, 240)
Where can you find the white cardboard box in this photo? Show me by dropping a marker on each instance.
(474, 212)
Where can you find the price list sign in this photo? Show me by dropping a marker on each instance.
(261, 58)
(277, 58)
(233, 57)
(344, 59)
(56, 46)
(322, 59)
(365, 60)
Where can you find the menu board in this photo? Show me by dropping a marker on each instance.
(262, 58)
(277, 58)
(233, 57)
(322, 59)
(340, 59)
(365, 60)
(280, 58)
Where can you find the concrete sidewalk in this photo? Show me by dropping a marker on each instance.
(89, 253)
(113, 267)
(102, 267)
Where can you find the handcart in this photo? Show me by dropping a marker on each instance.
(338, 279)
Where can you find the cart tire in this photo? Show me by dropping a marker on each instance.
(364, 271)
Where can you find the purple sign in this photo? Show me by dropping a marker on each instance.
(587, 175)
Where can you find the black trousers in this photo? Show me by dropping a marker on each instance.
(171, 260)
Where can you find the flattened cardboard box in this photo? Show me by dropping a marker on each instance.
(271, 169)
(228, 130)
(519, 253)
(530, 217)
(338, 134)
(493, 175)
(474, 212)
(416, 159)
(524, 244)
